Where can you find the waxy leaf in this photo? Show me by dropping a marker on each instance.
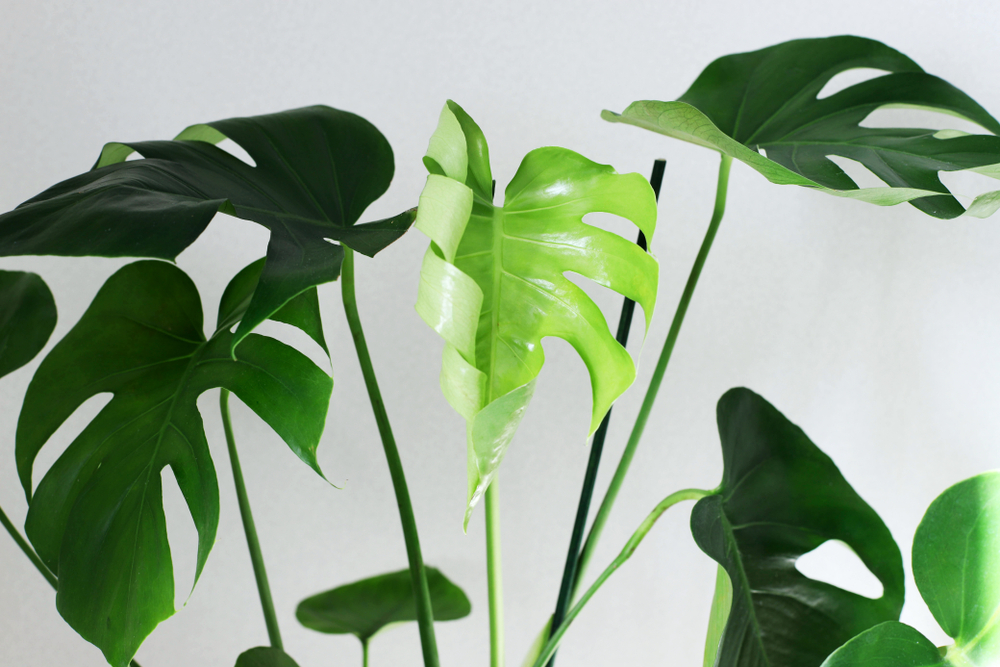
(316, 170)
(493, 284)
(956, 564)
(265, 656)
(365, 607)
(96, 518)
(780, 498)
(27, 318)
(767, 101)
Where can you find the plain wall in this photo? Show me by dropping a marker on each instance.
(874, 329)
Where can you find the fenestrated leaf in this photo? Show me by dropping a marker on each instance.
(265, 656)
(317, 169)
(956, 564)
(27, 318)
(492, 281)
(780, 498)
(767, 99)
(364, 607)
(96, 518)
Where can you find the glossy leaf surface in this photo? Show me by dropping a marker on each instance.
(956, 564)
(316, 170)
(364, 607)
(27, 318)
(780, 498)
(767, 100)
(96, 518)
(493, 284)
(265, 656)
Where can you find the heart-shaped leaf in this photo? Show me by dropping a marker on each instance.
(96, 518)
(767, 101)
(27, 318)
(316, 170)
(956, 564)
(364, 607)
(780, 498)
(493, 284)
(265, 656)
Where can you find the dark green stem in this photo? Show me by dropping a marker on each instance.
(253, 544)
(661, 367)
(425, 614)
(596, 447)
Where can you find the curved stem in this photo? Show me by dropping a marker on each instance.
(626, 553)
(253, 544)
(425, 614)
(494, 574)
(661, 367)
(28, 551)
(567, 585)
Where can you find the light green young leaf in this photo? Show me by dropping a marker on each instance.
(493, 283)
(767, 100)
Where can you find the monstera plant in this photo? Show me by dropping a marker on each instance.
(493, 283)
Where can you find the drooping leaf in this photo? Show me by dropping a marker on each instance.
(316, 170)
(767, 101)
(265, 656)
(96, 518)
(364, 607)
(780, 498)
(493, 284)
(956, 564)
(27, 318)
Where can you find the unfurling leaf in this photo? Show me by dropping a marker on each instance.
(364, 607)
(956, 564)
(96, 517)
(316, 170)
(27, 318)
(767, 101)
(493, 283)
(780, 498)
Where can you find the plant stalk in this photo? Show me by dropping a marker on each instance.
(253, 544)
(626, 553)
(596, 448)
(364, 653)
(661, 367)
(494, 574)
(425, 613)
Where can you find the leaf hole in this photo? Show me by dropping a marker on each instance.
(921, 118)
(858, 172)
(236, 151)
(835, 563)
(134, 156)
(967, 184)
(182, 536)
(294, 338)
(66, 433)
(849, 78)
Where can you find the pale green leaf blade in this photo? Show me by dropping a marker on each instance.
(890, 644)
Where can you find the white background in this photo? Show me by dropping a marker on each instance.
(874, 329)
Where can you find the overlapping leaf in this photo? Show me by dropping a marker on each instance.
(265, 656)
(96, 518)
(780, 498)
(767, 99)
(316, 170)
(27, 318)
(956, 564)
(493, 284)
(365, 607)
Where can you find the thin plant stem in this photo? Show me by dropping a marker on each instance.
(253, 544)
(626, 553)
(28, 551)
(425, 613)
(661, 366)
(494, 574)
(364, 653)
(33, 557)
(596, 447)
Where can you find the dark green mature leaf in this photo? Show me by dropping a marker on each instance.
(96, 518)
(767, 99)
(364, 607)
(27, 318)
(780, 498)
(265, 656)
(317, 169)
